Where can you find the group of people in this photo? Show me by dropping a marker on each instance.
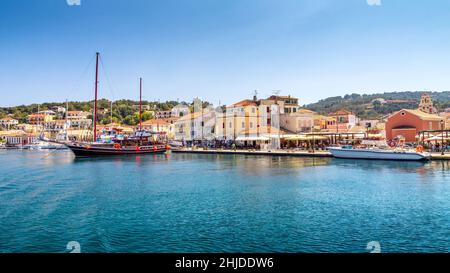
(437, 147)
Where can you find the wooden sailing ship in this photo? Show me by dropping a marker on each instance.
(140, 143)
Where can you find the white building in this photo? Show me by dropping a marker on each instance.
(8, 122)
(59, 110)
(180, 110)
(198, 126)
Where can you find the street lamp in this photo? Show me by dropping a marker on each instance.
(442, 136)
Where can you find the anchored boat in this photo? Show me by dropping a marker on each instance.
(378, 153)
(126, 147)
(140, 143)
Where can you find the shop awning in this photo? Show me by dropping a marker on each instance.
(252, 138)
(305, 137)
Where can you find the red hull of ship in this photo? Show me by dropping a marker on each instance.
(94, 150)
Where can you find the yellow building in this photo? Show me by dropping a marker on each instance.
(257, 116)
(29, 128)
(239, 117)
(321, 122)
(40, 118)
(299, 121)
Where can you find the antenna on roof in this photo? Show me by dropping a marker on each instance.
(255, 95)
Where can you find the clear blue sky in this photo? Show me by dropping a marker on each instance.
(221, 49)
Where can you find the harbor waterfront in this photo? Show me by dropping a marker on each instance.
(183, 202)
(434, 156)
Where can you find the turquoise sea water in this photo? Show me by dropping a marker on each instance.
(220, 203)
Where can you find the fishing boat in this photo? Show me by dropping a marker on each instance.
(379, 153)
(139, 143)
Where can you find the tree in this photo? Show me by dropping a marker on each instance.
(147, 115)
(131, 120)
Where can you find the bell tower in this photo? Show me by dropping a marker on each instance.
(426, 104)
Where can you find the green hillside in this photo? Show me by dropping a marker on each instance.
(373, 106)
(124, 111)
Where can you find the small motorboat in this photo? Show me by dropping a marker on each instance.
(379, 153)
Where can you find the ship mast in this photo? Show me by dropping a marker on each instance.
(95, 101)
(67, 122)
(140, 105)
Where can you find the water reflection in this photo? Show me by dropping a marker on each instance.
(260, 165)
(281, 165)
(141, 160)
(245, 164)
(420, 167)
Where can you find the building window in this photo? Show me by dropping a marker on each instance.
(251, 124)
(403, 113)
(243, 124)
(230, 125)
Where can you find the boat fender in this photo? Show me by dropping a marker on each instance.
(138, 148)
(117, 146)
(168, 147)
(419, 149)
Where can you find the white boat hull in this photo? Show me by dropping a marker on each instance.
(44, 146)
(378, 154)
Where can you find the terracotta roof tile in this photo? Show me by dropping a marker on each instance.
(421, 115)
